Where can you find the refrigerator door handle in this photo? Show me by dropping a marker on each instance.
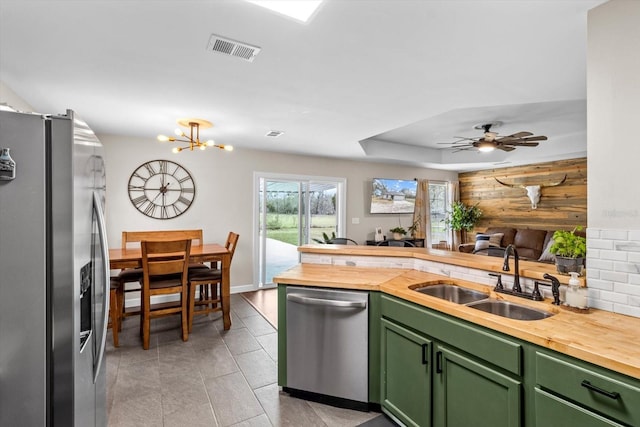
(102, 232)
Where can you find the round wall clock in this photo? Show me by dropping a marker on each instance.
(161, 189)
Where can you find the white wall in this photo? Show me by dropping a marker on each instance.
(224, 191)
(10, 98)
(613, 113)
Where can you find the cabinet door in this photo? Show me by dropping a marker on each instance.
(469, 393)
(552, 411)
(405, 374)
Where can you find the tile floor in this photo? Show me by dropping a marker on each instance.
(217, 378)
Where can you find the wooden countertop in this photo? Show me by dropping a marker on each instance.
(600, 337)
(530, 269)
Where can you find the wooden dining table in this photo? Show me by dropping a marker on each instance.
(208, 252)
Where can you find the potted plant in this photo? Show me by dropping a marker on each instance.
(325, 238)
(414, 229)
(398, 232)
(570, 250)
(462, 218)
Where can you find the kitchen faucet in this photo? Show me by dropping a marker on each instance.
(505, 267)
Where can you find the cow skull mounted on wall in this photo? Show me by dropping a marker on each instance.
(533, 191)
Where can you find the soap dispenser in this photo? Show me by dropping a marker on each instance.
(576, 295)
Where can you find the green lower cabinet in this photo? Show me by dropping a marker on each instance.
(405, 374)
(553, 411)
(469, 393)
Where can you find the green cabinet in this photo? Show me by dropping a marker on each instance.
(469, 392)
(570, 389)
(554, 411)
(440, 371)
(405, 374)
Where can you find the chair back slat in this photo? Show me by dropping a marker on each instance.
(232, 242)
(130, 237)
(165, 257)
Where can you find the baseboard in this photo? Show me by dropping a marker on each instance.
(135, 301)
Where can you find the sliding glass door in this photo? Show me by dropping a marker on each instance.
(293, 211)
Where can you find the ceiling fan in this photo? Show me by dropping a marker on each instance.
(491, 141)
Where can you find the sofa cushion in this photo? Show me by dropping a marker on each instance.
(547, 256)
(509, 234)
(482, 242)
(530, 243)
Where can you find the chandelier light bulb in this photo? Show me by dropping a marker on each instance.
(202, 147)
(178, 132)
(163, 138)
(228, 147)
(176, 150)
(210, 143)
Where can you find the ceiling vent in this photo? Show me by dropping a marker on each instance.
(230, 47)
(274, 133)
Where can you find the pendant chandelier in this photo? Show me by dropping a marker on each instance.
(193, 138)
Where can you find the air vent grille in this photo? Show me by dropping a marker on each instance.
(274, 133)
(230, 47)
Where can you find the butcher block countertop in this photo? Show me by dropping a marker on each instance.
(533, 270)
(600, 337)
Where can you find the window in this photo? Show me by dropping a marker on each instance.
(438, 210)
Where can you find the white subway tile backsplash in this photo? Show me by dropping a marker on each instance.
(614, 234)
(612, 255)
(599, 244)
(623, 288)
(613, 270)
(614, 297)
(600, 284)
(626, 267)
(614, 276)
(600, 264)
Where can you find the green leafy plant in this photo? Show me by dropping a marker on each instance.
(399, 230)
(325, 238)
(568, 244)
(462, 217)
(415, 227)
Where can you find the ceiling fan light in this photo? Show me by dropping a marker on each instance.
(486, 147)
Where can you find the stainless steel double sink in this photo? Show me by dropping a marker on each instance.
(481, 301)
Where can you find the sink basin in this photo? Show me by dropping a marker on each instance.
(510, 310)
(452, 293)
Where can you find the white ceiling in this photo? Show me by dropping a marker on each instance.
(364, 79)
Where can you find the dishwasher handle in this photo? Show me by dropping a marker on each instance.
(326, 302)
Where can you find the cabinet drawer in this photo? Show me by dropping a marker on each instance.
(552, 411)
(491, 347)
(592, 387)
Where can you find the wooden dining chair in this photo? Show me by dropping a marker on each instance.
(208, 282)
(165, 268)
(131, 278)
(115, 309)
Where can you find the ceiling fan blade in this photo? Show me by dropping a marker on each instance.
(505, 147)
(525, 144)
(521, 134)
(535, 138)
(507, 139)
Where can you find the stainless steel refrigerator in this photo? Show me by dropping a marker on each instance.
(54, 273)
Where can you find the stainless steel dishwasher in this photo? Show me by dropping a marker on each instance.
(328, 345)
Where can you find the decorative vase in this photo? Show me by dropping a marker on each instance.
(565, 265)
(397, 236)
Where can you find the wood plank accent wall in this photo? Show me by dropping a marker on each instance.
(560, 207)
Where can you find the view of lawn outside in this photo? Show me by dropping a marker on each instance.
(284, 227)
